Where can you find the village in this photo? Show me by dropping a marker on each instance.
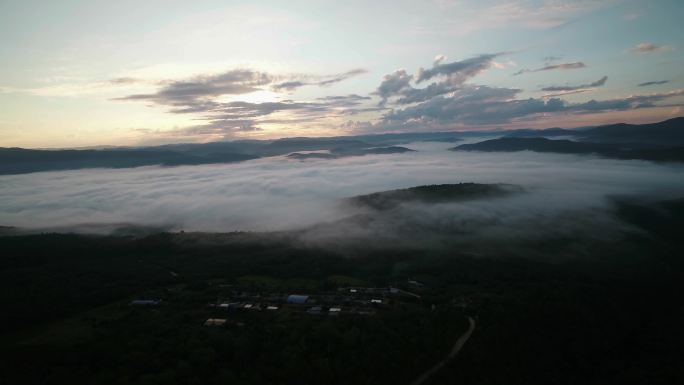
(235, 301)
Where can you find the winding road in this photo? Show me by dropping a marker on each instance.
(454, 351)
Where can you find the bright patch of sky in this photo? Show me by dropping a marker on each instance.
(79, 73)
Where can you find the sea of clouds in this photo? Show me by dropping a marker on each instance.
(273, 194)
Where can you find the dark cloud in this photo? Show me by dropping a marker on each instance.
(394, 84)
(230, 117)
(653, 83)
(631, 102)
(469, 105)
(349, 97)
(201, 88)
(457, 71)
(450, 102)
(239, 110)
(343, 76)
(182, 93)
(481, 105)
(453, 75)
(202, 94)
(416, 95)
(562, 66)
(350, 100)
(599, 83)
(288, 86)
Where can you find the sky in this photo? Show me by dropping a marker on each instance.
(90, 73)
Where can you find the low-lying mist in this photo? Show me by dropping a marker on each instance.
(564, 196)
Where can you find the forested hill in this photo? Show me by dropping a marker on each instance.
(433, 194)
(663, 141)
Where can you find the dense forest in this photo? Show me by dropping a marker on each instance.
(614, 317)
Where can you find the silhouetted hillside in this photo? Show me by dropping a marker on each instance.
(611, 150)
(663, 141)
(531, 133)
(18, 160)
(666, 133)
(535, 144)
(433, 194)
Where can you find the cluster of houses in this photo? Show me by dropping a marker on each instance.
(364, 301)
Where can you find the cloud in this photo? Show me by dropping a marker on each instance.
(652, 83)
(273, 194)
(482, 105)
(289, 85)
(563, 66)
(343, 76)
(350, 100)
(394, 84)
(449, 103)
(599, 83)
(457, 71)
(646, 48)
(441, 97)
(452, 76)
(204, 96)
(518, 14)
(319, 81)
(203, 87)
(233, 82)
(473, 105)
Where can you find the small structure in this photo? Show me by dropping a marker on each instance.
(215, 322)
(297, 299)
(334, 311)
(316, 310)
(145, 302)
(229, 305)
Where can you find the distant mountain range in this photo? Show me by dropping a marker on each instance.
(19, 161)
(666, 133)
(662, 141)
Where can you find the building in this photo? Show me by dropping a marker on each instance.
(229, 305)
(334, 311)
(316, 310)
(297, 299)
(215, 322)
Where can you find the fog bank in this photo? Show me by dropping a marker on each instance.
(273, 194)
